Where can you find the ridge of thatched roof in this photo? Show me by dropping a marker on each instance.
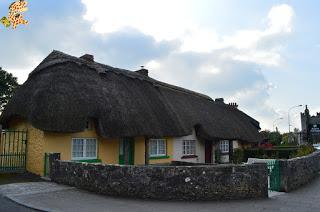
(64, 92)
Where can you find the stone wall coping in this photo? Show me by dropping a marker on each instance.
(168, 166)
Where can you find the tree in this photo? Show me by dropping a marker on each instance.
(273, 137)
(8, 83)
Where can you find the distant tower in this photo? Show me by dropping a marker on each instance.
(305, 120)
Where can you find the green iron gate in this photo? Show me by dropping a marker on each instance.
(13, 151)
(273, 175)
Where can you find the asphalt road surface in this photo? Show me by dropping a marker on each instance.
(8, 205)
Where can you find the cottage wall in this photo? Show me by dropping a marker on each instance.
(35, 145)
(40, 142)
(139, 151)
(170, 153)
(178, 149)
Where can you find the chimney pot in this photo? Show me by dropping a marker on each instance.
(88, 57)
(220, 100)
(143, 71)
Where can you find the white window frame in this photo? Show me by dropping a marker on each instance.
(224, 146)
(158, 140)
(189, 147)
(84, 149)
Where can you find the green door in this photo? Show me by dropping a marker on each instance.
(126, 151)
(273, 175)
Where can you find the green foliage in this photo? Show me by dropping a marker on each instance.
(238, 156)
(303, 150)
(278, 152)
(217, 156)
(274, 137)
(286, 141)
(8, 83)
(275, 153)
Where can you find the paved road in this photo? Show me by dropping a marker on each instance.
(8, 205)
(61, 198)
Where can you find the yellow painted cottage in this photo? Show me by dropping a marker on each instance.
(87, 111)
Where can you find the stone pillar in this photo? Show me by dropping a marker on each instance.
(53, 157)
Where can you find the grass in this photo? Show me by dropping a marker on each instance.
(6, 178)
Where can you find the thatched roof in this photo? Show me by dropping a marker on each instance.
(64, 92)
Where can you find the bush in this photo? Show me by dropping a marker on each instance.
(275, 153)
(303, 150)
(238, 156)
(217, 156)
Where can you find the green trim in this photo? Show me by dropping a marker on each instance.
(159, 157)
(89, 161)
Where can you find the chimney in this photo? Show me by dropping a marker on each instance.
(88, 57)
(143, 71)
(219, 100)
(233, 104)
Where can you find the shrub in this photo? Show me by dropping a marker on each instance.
(217, 156)
(238, 156)
(303, 150)
(274, 153)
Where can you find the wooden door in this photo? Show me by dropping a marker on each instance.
(126, 151)
(208, 151)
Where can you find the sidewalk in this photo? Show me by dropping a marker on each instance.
(49, 196)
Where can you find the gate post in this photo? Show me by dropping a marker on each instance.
(53, 157)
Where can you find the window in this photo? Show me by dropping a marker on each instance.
(224, 146)
(157, 147)
(84, 148)
(189, 147)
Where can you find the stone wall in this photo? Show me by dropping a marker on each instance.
(298, 171)
(218, 182)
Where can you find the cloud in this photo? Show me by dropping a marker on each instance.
(164, 20)
(174, 47)
(29, 45)
(232, 66)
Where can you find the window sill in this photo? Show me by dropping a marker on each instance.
(189, 156)
(159, 157)
(88, 161)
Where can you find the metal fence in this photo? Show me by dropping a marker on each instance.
(13, 151)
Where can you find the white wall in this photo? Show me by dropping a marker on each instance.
(236, 144)
(178, 149)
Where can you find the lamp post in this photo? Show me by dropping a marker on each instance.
(280, 118)
(289, 119)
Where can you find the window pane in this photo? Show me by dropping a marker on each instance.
(91, 147)
(153, 147)
(162, 147)
(224, 146)
(77, 148)
(157, 147)
(189, 147)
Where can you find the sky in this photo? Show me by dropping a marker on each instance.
(261, 54)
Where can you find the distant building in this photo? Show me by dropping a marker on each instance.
(310, 127)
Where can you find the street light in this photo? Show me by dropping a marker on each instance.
(275, 122)
(289, 119)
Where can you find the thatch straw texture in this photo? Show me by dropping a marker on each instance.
(64, 92)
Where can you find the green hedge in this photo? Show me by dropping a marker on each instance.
(278, 153)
